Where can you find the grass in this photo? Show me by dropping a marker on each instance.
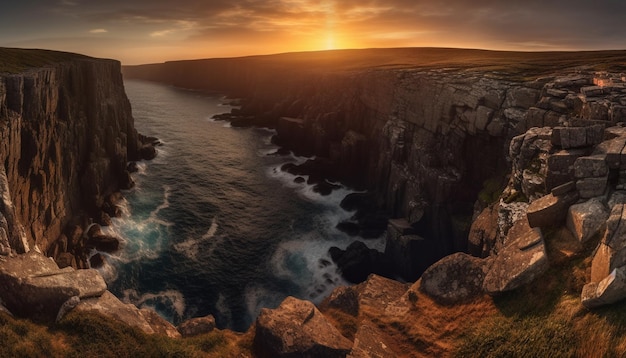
(546, 317)
(93, 335)
(13, 60)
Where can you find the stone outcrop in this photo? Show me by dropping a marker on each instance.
(455, 278)
(66, 135)
(297, 329)
(586, 219)
(146, 320)
(33, 285)
(522, 259)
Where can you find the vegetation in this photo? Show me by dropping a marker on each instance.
(93, 335)
(546, 318)
(13, 60)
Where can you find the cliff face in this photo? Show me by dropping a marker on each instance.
(422, 129)
(66, 134)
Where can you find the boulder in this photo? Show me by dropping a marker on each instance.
(591, 187)
(584, 220)
(104, 243)
(368, 343)
(379, 292)
(593, 166)
(146, 320)
(611, 253)
(613, 150)
(66, 259)
(196, 326)
(297, 329)
(33, 286)
(483, 232)
(550, 210)
(522, 260)
(455, 278)
(610, 290)
(147, 152)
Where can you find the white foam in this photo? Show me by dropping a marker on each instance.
(257, 297)
(227, 125)
(305, 261)
(190, 247)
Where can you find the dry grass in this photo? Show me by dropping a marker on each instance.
(13, 60)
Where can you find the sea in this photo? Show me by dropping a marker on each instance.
(213, 226)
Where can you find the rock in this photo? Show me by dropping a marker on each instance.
(368, 343)
(613, 150)
(96, 261)
(611, 252)
(34, 286)
(455, 278)
(67, 306)
(610, 290)
(146, 320)
(297, 329)
(196, 326)
(591, 167)
(522, 260)
(358, 261)
(345, 299)
(147, 152)
(378, 292)
(349, 228)
(132, 167)
(299, 180)
(408, 254)
(66, 259)
(584, 220)
(484, 232)
(563, 189)
(591, 187)
(550, 210)
(104, 243)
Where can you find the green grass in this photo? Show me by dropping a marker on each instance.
(13, 60)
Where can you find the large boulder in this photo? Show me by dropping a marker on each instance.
(33, 286)
(146, 320)
(550, 210)
(455, 278)
(584, 220)
(483, 232)
(297, 329)
(521, 260)
(611, 252)
(610, 290)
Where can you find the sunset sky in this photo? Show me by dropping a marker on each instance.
(146, 31)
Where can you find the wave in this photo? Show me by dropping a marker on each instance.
(168, 303)
(190, 247)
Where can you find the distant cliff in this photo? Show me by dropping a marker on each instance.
(425, 130)
(66, 135)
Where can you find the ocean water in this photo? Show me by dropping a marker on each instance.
(213, 226)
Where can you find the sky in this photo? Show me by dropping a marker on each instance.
(149, 31)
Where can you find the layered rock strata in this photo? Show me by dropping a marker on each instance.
(422, 140)
(66, 136)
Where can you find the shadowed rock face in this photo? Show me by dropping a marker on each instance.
(66, 134)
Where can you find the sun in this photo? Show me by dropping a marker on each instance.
(330, 42)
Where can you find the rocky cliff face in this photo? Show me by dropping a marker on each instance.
(66, 134)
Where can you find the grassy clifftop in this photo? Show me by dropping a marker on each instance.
(14, 60)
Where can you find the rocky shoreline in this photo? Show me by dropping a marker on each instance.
(482, 184)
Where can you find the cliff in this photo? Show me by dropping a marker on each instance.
(66, 135)
(422, 129)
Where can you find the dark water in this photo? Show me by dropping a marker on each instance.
(213, 226)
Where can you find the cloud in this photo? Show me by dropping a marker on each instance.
(98, 31)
